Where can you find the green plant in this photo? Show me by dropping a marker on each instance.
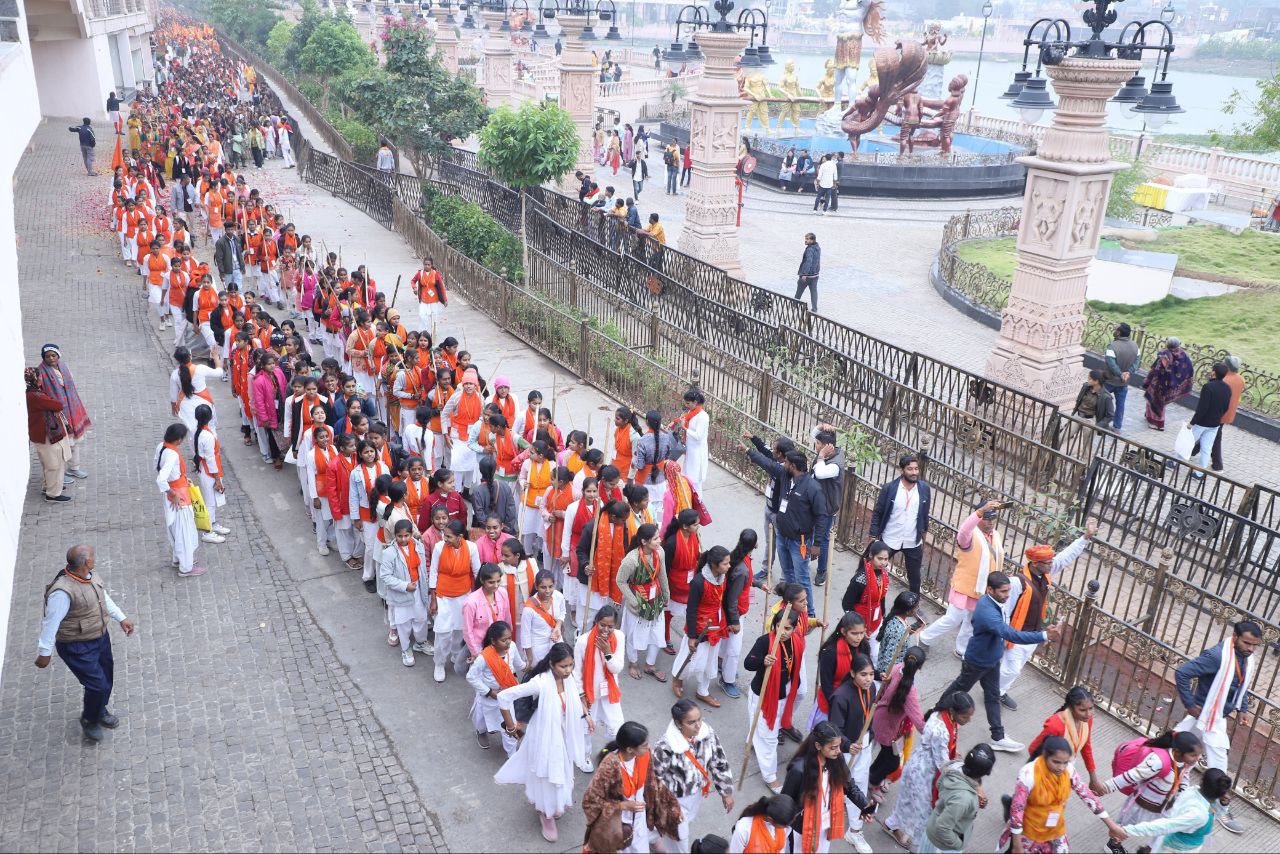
(859, 447)
(1262, 131)
(1121, 205)
(527, 148)
(474, 233)
(333, 47)
(363, 141)
(311, 90)
(249, 21)
(278, 41)
(675, 91)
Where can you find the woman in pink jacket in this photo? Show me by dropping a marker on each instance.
(268, 402)
(897, 714)
(483, 607)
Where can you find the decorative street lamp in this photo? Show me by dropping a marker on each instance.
(693, 18)
(540, 31)
(468, 22)
(752, 56)
(1067, 187)
(987, 9)
(612, 17)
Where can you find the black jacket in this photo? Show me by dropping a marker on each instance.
(811, 261)
(85, 133)
(780, 481)
(827, 657)
(1215, 400)
(846, 712)
(793, 787)
(833, 487)
(755, 663)
(805, 502)
(884, 509)
(228, 255)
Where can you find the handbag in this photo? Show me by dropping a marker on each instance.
(199, 509)
(1185, 441)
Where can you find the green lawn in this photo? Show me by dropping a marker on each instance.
(1243, 322)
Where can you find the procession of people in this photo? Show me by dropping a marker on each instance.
(550, 569)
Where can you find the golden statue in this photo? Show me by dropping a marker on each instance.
(827, 85)
(873, 77)
(790, 87)
(756, 90)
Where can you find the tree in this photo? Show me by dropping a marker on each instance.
(1263, 131)
(247, 21)
(311, 18)
(1120, 204)
(527, 148)
(333, 48)
(279, 40)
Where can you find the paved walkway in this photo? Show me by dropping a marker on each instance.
(262, 708)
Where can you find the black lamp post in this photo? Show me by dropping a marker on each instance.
(1052, 38)
(611, 16)
(987, 9)
(697, 18)
(468, 22)
(753, 55)
(540, 31)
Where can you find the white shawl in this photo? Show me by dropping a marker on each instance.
(542, 750)
(1211, 720)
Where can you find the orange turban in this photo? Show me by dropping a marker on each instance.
(1039, 553)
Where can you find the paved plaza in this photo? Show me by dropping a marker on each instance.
(261, 706)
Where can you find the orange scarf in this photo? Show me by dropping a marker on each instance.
(499, 667)
(812, 826)
(1048, 795)
(632, 783)
(1019, 617)
(453, 574)
(610, 546)
(589, 657)
(410, 556)
(1077, 735)
(511, 593)
(508, 406)
(763, 840)
(706, 778)
(466, 414)
(559, 501)
(622, 450)
(681, 492)
(689, 416)
(532, 602)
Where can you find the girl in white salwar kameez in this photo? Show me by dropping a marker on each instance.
(454, 564)
(935, 748)
(307, 442)
(542, 618)
(208, 462)
(519, 573)
(400, 577)
(315, 465)
(597, 658)
(179, 518)
(362, 502)
(552, 743)
(188, 387)
(643, 584)
(493, 671)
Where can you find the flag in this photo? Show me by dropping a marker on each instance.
(117, 156)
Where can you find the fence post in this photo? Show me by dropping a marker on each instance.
(1163, 564)
(1080, 634)
(764, 400)
(923, 454)
(584, 349)
(573, 283)
(655, 329)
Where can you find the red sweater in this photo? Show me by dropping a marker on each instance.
(38, 403)
(1053, 725)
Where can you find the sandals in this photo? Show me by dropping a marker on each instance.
(656, 674)
(354, 563)
(634, 673)
(708, 700)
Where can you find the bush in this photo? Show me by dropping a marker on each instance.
(474, 233)
(363, 141)
(312, 91)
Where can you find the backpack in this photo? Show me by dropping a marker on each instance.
(1133, 753)
(668, 158)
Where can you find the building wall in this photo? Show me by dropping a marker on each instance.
(21, 113)
(73, 76)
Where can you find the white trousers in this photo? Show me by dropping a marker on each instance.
(608, 717)
(730, 650)
(349, 542)
(1215, 750)
(690, 805)
(179, 324)
(960, 618)
(764, 741)
(860, 771)
(1015, 658)
(703, 667)
(372, 549)
(206, 330)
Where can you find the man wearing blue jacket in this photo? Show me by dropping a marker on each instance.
(986, 649)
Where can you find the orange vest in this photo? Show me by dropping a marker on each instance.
(453, 572)
(539, 482)
(157, 265)
(181, 486)
(964, 578)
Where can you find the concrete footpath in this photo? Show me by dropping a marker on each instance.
(262, 706)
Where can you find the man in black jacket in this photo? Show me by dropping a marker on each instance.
(901, 517)
(1215, 400)
(228, 255)
(772, 461)
(87, 142)
(798, 513)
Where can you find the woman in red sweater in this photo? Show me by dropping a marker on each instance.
(1074, 722)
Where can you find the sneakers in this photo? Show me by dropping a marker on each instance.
(774, 787)
(109, 720)
(372, 587)
(324, 550)
(195, 571)
(1008, 745)
(78, 474)
(858, 841)
(439, 674)
(406, 658)
(220, 529)
(423, 647)
(1008, 702)
(59, 498)
(1229, 821)
(792, 733)
(549, 830)
(212, 537)
(586, 767)
(958, 654)
(730, 689)
(820, 579)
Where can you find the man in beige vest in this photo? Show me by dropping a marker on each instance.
(76, 612)
(979, 552)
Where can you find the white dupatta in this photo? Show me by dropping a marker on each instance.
(544, 745)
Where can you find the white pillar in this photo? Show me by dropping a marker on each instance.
(497, 59)
(578, 93)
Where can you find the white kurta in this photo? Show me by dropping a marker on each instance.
(697, 454)
(485, 713)
(535, 634)
(551, 747)
(187, 405)
(180, 522)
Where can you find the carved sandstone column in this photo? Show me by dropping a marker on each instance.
(577, 93)
(497, 58)
(1068, 182)
(711, 209)
(446, 41)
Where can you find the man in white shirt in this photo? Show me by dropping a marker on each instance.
(901, 517)
(825, 183)
(828, 470)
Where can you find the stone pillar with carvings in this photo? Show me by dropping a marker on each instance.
(577, 93)
(446, 40)
(497, 58)
(1068, 183)
(711, 208)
